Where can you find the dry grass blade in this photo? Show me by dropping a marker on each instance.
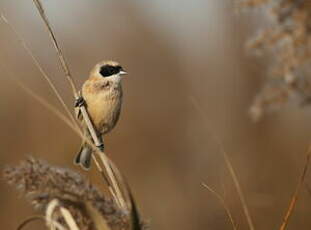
(44, 74)
(294, 198)
(69, 219)
(135, 217)
(57, 48)
(49, 212)
(97, 141)
(50, 107)
(29, 220)
(239, 190)
(67, 71)
(229, 166)
(118, 195)
(49, 215)
(222, 201)
(98, 220)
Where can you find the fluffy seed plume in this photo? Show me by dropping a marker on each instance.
(43, 183)
(287, 40)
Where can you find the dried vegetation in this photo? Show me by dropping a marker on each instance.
(287, 43)
(43, 184)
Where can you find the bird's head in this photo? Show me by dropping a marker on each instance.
(108, 69)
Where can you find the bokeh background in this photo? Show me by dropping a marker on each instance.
(190, 82)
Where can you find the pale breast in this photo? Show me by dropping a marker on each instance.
(103, 101)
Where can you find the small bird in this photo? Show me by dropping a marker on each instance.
(102, 95)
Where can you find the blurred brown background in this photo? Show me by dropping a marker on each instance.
(178, 54)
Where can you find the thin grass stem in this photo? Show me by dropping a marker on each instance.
(222, 201)
(295, 196)
(228, 164)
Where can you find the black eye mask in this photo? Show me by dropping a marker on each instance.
(108, 70)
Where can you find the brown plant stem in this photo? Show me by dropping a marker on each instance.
(44, 74)
(239, 190)
(29, 220)
(223, 202)
(295, 196)
(228, 164)
(66, 70)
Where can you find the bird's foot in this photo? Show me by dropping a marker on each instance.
(79, 102)
(101, 147)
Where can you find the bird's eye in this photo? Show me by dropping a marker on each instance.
(108, 70)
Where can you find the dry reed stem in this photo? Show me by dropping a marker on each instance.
(239, 190)
(34, 218)
(223, 203)
(44, 74)
(99, 222)
(295, 196)
(69, 218)
(51, 84)
(85, 115)
(28, 221)
(135, 218)
(57, 48)
(49, 215)
(228, 164)
(67, 71)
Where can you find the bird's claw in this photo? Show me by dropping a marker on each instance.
(79, 102)
(101, 147)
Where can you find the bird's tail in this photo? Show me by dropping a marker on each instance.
(84, 156)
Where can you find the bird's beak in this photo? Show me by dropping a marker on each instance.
(122, 72)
